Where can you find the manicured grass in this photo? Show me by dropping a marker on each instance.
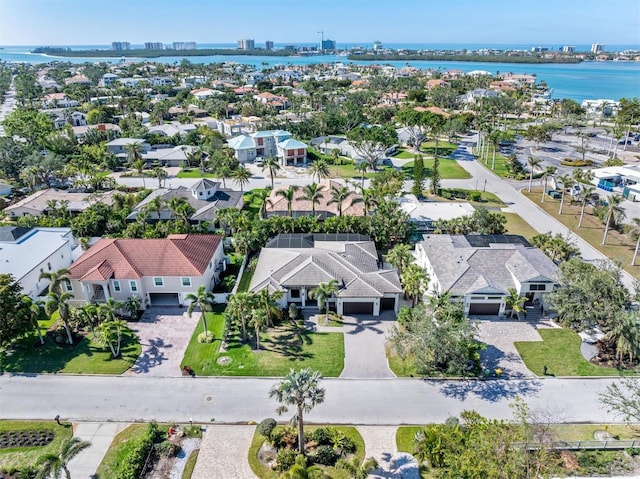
(584, 432)
(401, 368)
(190, 465)
(486, 199)
(517, 226)
(253, 201)
(500, 167)
(87, 357)
(404, 438)
(19, 457)
(405, 154)
(349, 171)
(118, 450)
(619, 246)
(283, 347)
(195, 173)
(245, 281)
(444, 148)
(449, 169)
(264, 472)
(560, 352)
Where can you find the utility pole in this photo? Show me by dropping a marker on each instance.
(322, 41)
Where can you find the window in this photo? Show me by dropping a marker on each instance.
(186, 281)
(116, 286)
(494, 297)
(158, 282)
(133, 286)
(49, 266)
(68, 286)
(537, 287)
(295, 293)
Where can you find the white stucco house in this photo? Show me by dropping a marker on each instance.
(269, 143)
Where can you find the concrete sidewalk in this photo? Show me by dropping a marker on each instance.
(380, 443)
(100, 435)
(224, 453)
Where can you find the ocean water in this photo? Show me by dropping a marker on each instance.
(586, 80)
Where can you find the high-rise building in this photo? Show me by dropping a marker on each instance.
(568, 49)
(246, 44)
(328, 44)
(119, 46)
(184, 45)
(597, 48)
(268, 45)
(377, 45)
(153, 46)
(539, 49)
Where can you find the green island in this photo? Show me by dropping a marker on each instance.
(143, 53)
(462, 58)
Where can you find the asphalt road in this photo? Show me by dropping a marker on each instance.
(238, 400)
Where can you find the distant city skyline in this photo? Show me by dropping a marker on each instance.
(87, 22)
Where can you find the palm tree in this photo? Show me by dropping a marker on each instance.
(625, 331)
(134, 151)
(161, 175)
(338, 195)
(289, 194)
(156, 204)
(301, 470)
(268, 302)
(313, 193)
(258, 321)
(613, 212)
(319, 168)
(30, 310)
(56, 278)
(139, 165)
(223, 173)
(110, 333)
(273, 166)
(59, 302)
(302, 390)
(533, 163)
(242, 176)
(400, 257)
(362, 167)
(567, 182)
(132, 305)
(414, 281)
(357, 470)
(204, 300)
(548, 171)
(586, 192)
(514, 302)
(323, 294)
(635, 232)
(52, 465)
(239, 309)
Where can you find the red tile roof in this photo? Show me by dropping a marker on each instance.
(177, 255)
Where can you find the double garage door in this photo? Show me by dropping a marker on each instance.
(364, 307)
(484, 309)
(164, 299)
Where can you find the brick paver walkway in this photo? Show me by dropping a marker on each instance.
(223, 453)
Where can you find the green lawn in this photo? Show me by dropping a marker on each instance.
(253, 201)
(560, 352)
(264, 472)
(245, 281)
(401, 368)
(19, 457)
(619, 246)
(191, 464)
(348, 171)
(194, 173)
(449, 169)
(87, 357)
(284, 347)
(486, 198)
(500, 167)
(517, 226)
(404, 438)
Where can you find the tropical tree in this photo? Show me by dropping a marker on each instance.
(302, 470)
(132, 305)
(273, 166)
(548, 171)
(586, 192)
(313, 193)
(624, 332)
(55, 278)
(238, 310)
(110, 333)
(289, 195)
(323, 293)
(59, 302)
(400, 257)
(614, 212)
(53, 465)
(357, 470)
(258, 321)
(362, 167)
(160, 174)
(533, 164)
(242, 176)
(338, 196)
(514, 302)
(320, 169)
(30, 310)
(268, 303)
(302, 390)
(204, 300)
(635, 233)
(567, 183)
(414, 281)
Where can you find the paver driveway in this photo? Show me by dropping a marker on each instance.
(164, 334)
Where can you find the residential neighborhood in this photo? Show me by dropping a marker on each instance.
(450, 255)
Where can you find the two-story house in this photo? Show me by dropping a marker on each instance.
(479, 270)
(269, 143)
(160, 271)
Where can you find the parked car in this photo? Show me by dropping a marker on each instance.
(259, 161)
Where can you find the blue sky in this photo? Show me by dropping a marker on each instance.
(77, 22)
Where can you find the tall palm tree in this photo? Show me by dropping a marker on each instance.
(30, 310)
(273, 166)
(223, 173)
(56, 278)
(59, 302)
(134, 152)
(533, 164)
(414, 281)
(161, 175)
(302, 390)
(53, 465)
(239, 309)
(613, 212)
(258, 321)
(320, 169)
(362, 167)
(204, 300)
(313, 193)
(155, 205)
(338, 195)
(174, 205)
(548, 171)
(242, 176)
(586, 192)
(625, 332)
(400, 257)
(268, 302)
(323, 293)
(567, 182)
(635, 232)
(290, 195)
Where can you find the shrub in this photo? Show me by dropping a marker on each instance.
(132, 463)
(321, 436)
(266, 427)
(286, 437)
(339, 440)
(207, 337)
(286, 458)
(228, 283)
(28, 472)
(475, 196)
(325, 455)
(167, 449)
